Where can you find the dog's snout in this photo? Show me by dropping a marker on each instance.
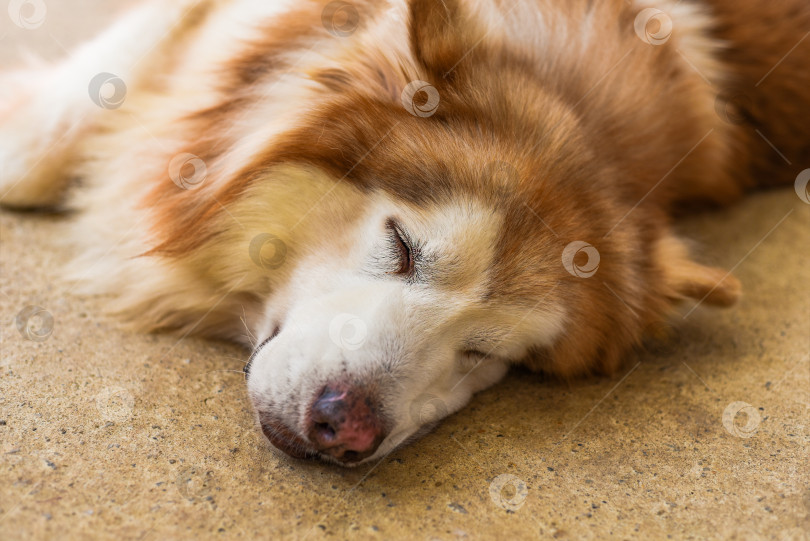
(345, 422)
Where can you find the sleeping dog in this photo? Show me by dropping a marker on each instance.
(391, 202)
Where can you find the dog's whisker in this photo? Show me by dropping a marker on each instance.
(241, 373)
(251, 338)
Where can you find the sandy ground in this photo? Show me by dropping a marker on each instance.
(109, 434)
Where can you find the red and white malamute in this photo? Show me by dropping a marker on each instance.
(393, 201)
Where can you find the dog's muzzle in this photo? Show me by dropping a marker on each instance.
(345, 422)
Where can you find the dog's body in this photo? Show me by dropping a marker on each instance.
(429, 175)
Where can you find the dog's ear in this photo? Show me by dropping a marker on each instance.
(604, 335)
(442, 35)
(683, 277)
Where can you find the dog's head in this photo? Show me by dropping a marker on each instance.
(437, 213)
(393, 320)
(395, 309)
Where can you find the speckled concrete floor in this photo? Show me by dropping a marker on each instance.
(109, 434)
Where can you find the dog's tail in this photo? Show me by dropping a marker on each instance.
(768, 94)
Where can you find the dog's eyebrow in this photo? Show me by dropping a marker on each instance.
(482, 339)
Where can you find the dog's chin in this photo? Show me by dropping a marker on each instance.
(286, 441)
(295, 447)
(283, 439)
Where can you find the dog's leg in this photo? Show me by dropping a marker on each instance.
(47, 110)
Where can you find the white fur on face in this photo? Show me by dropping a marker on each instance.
(344, 316)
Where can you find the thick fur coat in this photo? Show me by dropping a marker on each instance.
(462, 185)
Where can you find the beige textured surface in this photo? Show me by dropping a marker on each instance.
(109, 434)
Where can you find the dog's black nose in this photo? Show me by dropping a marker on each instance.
(345, 422)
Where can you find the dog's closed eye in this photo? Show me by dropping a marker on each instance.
(403, 247)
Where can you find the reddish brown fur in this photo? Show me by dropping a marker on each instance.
(587, 145)
(768, 54)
